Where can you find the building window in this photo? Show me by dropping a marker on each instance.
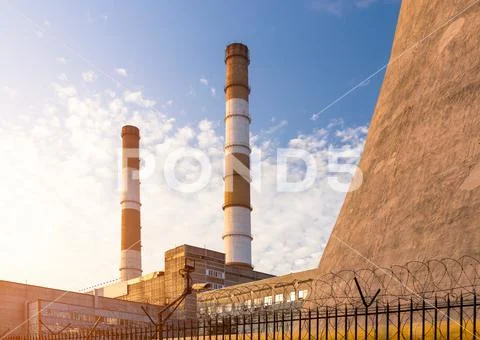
(257, 302)
(279, 298)
(215, 273)
(302, 294)
(216, 285)
(268, 300)
(228, 308)
(248, 303)
(291, 297)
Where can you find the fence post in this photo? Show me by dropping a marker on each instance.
(345, 326)
(435, 321)
(326, 322)
(388, 321)
(356, 323)
(366, 322)
(309, 324)
(291, 324)
(461, 316)
(474, 315)
(423, 318)
(399, 311)
(448, 317)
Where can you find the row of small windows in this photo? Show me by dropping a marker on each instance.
(215, 273)
(216, 285)
(261, 302)
(87, 317)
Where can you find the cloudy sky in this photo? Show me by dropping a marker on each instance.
(73, 73)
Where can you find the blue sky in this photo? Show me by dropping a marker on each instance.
(74, 72)
(303, 56)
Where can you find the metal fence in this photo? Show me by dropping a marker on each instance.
(443, 319)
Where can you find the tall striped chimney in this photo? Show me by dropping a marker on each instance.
(237, 209)
(131, 259)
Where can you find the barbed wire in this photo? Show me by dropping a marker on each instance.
(415, 282)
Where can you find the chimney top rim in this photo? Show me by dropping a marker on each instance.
(130, 130)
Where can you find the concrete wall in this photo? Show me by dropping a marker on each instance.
(420, 197)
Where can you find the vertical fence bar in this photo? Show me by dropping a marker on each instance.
(244, 326)
(266, 325)
(474, 315)
(309, 324)
(435, 321)
(356, 323)
(366, 323)
(223, 327)
(318, 324)
(448, 317)
(376, 321)
(399, 311)
(258, 326)
(345, 325)
(300, 324)
(411, 319)
(274, 325)
(423, 319)
(387, 336)
(283, 325)
(461, 316)
(336, 323)
(326, 323)
(251, 326)
(291, 324)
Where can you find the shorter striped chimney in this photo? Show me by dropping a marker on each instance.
(131, 258)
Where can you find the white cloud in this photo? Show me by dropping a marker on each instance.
(64, 92)
(121, 72)
(364, 3)
(204, 81)
(167, 104)
(62, 77)
(335, 7)
(339, 7)
(137, 98)
(118, 106)
(68, 160)
(89, 76)
(9, 91)
(213, 92)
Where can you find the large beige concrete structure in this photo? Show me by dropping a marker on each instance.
(131, 259)
(237, 208)
(420, 197)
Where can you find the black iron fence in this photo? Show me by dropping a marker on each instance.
(445, 318)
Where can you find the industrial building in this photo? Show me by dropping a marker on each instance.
(163, 287)
(33, 310)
